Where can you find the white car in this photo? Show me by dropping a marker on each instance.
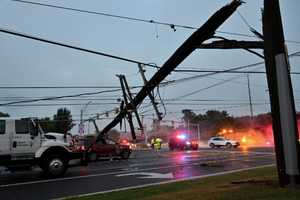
(222, 142)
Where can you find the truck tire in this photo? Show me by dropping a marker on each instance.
(54, 166)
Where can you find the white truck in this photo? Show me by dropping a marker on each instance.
(23, 144)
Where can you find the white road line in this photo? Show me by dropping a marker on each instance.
(105, 174)
(164, 182)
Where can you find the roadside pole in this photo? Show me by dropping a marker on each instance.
(198, 132)
(281, 95)
(250, 96)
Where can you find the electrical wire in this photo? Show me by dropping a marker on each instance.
(208, 87)
(65, 87)
(59, 97)
(171, 25)
(214, 72)
(12, 32)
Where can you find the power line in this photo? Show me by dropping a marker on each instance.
(206, 88)
(210, 74)
(171, 25)
(57, 104)
(63, 87)
(213, 72)
(66, 87)
(125, 59)
(59, 97)
(73, 47)
(230, 72)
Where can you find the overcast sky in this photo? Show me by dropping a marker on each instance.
(29, 63)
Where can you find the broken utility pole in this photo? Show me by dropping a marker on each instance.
(141, 128)
(205, 32)
(150, 95)
(128, 108)
(281, 96)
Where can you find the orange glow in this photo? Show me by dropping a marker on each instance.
(251, 137)
(258, 136)
(244, 139)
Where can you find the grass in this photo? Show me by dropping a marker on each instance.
(248, 185)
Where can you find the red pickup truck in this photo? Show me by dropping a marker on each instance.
(105, 148)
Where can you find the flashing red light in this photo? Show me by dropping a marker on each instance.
(125, 142)
(194, 142)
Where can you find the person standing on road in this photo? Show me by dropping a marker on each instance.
(157, 143)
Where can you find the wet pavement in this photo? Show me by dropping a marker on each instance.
(143, 167)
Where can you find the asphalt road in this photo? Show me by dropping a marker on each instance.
(144, 167)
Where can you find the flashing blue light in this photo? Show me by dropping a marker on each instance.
(181, 136)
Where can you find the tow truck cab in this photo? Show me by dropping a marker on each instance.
(19, 140)
(23, 144)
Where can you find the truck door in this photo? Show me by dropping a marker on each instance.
(25, 140)
(4, 138)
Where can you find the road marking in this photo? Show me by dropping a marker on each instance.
(103, 174)
(164, 182)
(149, 175)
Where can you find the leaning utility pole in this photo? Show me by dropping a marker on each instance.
(281, 95)
(205, 32)
(133, 107)
(128, 108)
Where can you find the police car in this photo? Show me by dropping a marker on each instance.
(182, 142)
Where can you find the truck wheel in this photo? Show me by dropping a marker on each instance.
(55, 166)
(125, 155)
(93, 157)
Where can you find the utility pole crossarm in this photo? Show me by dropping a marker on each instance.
(232, 44)
(205, 32)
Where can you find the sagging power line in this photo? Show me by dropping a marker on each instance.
(151, 21)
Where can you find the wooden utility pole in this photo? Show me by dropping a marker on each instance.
(151, 97)
(128, 108)
(250, 96)
(281, 96)
(133, 107)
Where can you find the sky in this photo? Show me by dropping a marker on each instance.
(30, 63)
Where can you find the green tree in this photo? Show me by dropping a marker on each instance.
(4, 114)
(63, 120)
(188, 115)
(47, 124)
